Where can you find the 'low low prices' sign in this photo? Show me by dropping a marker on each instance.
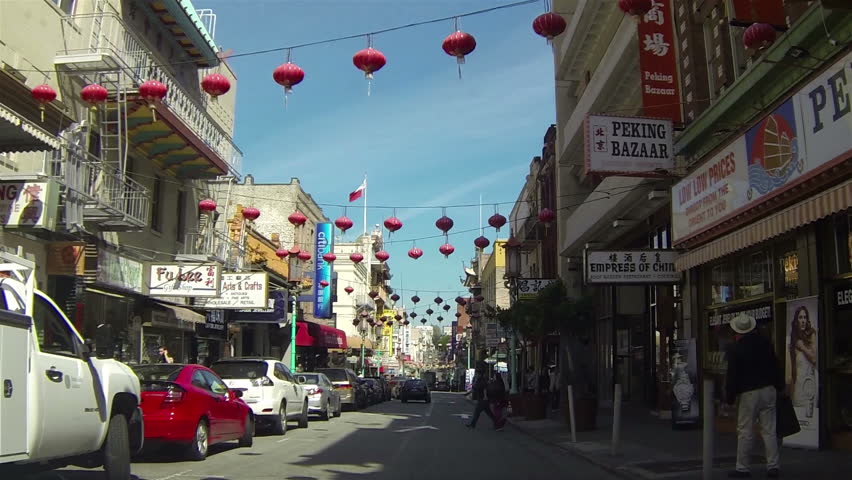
(632, 266)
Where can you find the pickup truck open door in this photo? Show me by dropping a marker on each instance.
(14, 353)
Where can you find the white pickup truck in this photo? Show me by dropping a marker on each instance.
(59, 404)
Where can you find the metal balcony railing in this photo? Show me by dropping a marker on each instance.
(215, 244)
(107, 196)
(102, 41)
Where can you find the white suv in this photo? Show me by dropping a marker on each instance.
(268, 388)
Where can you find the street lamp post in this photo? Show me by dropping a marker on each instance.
(513, 273)
(293, 300)
(469, 343)
(363, 330)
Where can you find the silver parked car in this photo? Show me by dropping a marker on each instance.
(323, 399)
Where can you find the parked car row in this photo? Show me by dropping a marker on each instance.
(194, 406)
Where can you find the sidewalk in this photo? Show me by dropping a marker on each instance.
(651, 449)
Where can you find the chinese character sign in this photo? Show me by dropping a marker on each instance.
(658, 63)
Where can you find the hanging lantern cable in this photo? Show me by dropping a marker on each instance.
(369, 76)
(286, 89)
(460, 59)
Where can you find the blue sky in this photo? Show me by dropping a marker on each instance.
(423, 137)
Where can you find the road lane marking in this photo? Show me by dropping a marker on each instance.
(282, 440)
(175, 475)
(411, 429)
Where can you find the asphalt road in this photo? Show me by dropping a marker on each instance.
(387, 441)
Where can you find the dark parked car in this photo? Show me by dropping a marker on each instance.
(415, 389)
(442, 386)
(386, 388)
(352, 393)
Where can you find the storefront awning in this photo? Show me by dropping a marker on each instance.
(184, 314)
(19, 135)
(309, 334)
(823, 204)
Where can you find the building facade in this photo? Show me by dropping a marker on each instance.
(116, 179)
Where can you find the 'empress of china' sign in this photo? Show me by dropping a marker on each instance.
(632, 266)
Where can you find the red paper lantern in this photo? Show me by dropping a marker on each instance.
(43, 94)
(152, 92)
(297, 218)
(382, 256)
(323, 283)
(356, 257)
(415, 253)
(458, 44)
(304, 256)
(349, 290)
(512, 242)
(369, 61)
(93, 94)
(423, 321)
(447, 307)
(413, 315)
(758, 36)
(440, 318)
(287, 75)
(295, 251)
(393, 224)
(282, 252)
(497, 221)
(635, 7)
(461, 301)
(415, 299)
(549, 25)
(429, 311)
(481, 242)
(438, 300)
(479, 299)
(215, 84)
(395, 297)
(458, 314)
(356, 322)
(397, 317)
(406, 323)
(343, 223)
(447, 250)
(251, 213)
(444, 224)
(373, 294)
(546, 216)
(207, 205)
(329, 257)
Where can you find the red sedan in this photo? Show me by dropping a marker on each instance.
(191, 405)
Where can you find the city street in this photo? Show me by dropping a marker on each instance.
(386, 441)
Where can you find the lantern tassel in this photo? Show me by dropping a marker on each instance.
(153, 111)
(41, 108)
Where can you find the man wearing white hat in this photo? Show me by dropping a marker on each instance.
(754, 377)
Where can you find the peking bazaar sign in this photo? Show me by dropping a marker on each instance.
(628, 146)
(804, 136)
(658, 63)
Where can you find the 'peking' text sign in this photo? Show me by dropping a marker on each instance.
(810, 133)
(185, 280)
(631, 267)
(628, 146)
(658, 63)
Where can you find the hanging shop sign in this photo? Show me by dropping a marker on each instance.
(628, 146)
(843, 297)
(241, 291)
(528, 288)
(805, 136)
(802, 372)
(658, 63)
(25, 203)
(631, 266)
(323, 270)
(119, 272)
(761, 311)
(66, 258)
(185, 280)
(214, 325)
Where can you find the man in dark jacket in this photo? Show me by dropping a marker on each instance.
(480, 382)
(754, 377)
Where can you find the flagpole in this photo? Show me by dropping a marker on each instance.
(367, 242)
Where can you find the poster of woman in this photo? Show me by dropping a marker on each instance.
(802, 369)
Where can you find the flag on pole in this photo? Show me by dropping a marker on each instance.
(358, 191)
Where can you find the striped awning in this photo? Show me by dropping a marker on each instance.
(822, 204)
(17, 134)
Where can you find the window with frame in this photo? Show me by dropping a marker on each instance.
(199, 381)
(217, 386)
(744, 276)
(66, 6)
(54, 334)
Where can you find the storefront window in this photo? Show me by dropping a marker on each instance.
(842, 244)
(722, 288)
(789, 265)
(741, 277)
(840, 365)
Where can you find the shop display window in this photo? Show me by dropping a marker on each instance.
(840, 402)
(743, 276)
(789, 267)
(842, 244)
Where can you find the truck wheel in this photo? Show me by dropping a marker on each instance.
(303, 420)
(200, 442)
(279, 425)
(117, 449)
(248, 433)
